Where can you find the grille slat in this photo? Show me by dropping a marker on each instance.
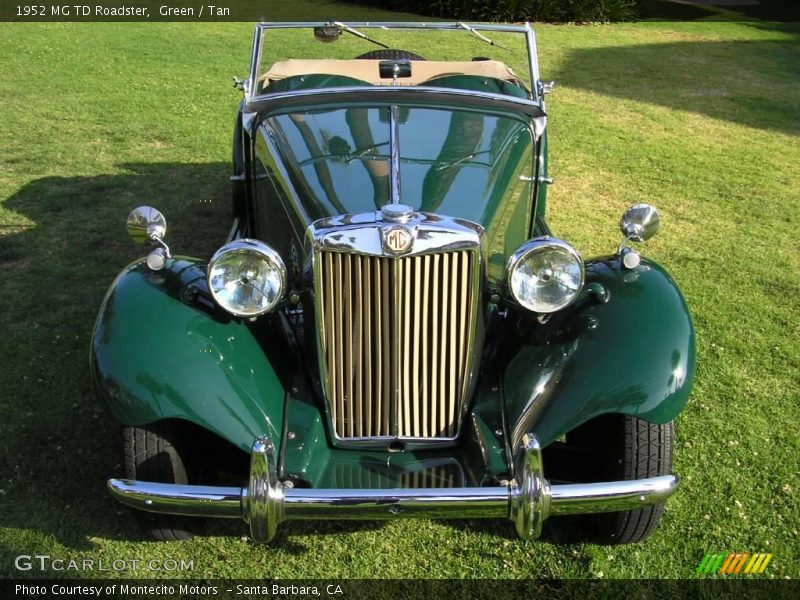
(466, 306)
(387, 309)
(416, 334)
(405, 389)
(445, 419)
(424, 387)
(368, 357)
(348, 335)
(338, 334)
(454, 353)
(434, 388)
(378, 391)
(395, 337)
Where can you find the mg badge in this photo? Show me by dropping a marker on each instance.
(397, 239)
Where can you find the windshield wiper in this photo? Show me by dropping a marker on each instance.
(357, 33)
(480, 36)
(454, 163)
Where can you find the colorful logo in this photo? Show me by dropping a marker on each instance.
(736, 562)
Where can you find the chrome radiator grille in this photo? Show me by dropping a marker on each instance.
(396, 336)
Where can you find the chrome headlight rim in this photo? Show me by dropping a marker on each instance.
(538, 245)
(264, 251)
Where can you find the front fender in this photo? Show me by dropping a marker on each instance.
(627, 346)
(157, 352)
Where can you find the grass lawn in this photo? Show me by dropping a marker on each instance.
(701, 119)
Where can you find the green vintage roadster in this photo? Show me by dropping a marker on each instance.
(391, 329)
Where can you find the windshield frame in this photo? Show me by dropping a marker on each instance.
(530, 42)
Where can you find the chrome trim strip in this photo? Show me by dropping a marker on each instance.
(394, 148)
(255, 61)
(261, 28)
(266, 502)
(530, 38)
(177, 499)
(284, 102)
(362, 233)
(396, 352)
(610, 496)
(396, 25)
(435, 503)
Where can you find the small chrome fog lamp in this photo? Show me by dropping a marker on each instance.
(638, 224)
(157, 259)
(146, 224)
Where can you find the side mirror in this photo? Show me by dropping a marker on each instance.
(640, 222)
(146, 224)
(327, 33)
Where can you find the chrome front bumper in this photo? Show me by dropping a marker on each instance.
(266, 502)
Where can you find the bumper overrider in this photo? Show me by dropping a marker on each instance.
(265, 501)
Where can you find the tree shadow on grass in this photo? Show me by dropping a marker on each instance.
(690, 10)
(751, 83)
(58, 443)
(61, 246)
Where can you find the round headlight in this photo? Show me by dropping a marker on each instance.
(246, 277)
(545, 275)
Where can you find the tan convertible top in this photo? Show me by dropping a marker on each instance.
(367, 70)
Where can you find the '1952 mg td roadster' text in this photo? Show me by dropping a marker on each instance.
(391, 328)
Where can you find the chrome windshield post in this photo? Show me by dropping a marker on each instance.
(394, 160)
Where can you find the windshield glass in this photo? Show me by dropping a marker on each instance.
(454, 162)
(291, 58)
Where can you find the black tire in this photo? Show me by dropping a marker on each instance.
(615, 447)
(389, 54)
(152, 453)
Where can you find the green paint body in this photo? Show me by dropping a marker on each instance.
(633, 354)
(156, 357)
(162, 350)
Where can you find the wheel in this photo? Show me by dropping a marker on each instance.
(614, 448)
(388, 54)
(152, 453)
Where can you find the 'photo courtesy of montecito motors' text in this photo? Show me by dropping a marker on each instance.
(181, 589)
